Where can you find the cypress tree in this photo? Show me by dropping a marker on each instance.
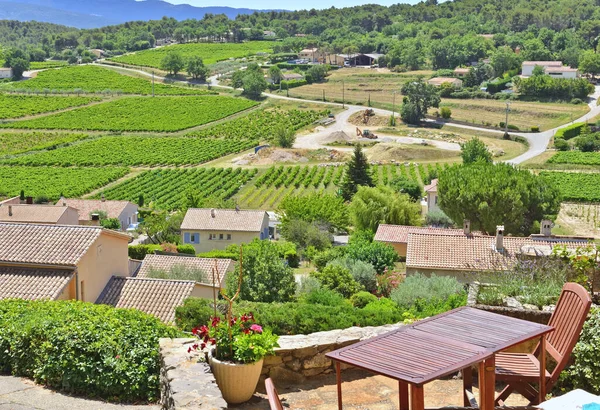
(357, 173)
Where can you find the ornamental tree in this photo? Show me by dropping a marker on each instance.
(421, 95)
(357, 174)
(475, 150)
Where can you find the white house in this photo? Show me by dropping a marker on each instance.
(552, 68)
(432, 196)
(6, 72)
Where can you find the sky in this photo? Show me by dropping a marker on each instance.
(287, 5)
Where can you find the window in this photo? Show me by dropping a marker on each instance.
(228, 236)
(193, 238)
(212, 237)
(220, 237)
(436, 199)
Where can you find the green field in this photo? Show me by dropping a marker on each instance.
(95, 79)
(575, 157)
(52, 182)
(168, 188)
(576, 186)
(14, 143)
(42, 65)
(15, 106)
(162, 114)
(210, 52)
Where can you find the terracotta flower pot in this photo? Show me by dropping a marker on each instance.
(237, 382)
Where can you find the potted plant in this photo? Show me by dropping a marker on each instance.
(236, 348)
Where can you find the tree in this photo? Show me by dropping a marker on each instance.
(254, 84)
(503, 60)
(324, 209)
(497, 194)
(275, 74)
(266, 277)
(382, 205)
(422, 96)
(590, 63)
(538, 70)
(18, 61)
(161, 227)
(475, 150)
(111, 223)
(316, 73)
(172, 63)
(140, 200)
(196, 68)
(339, 279)
(285, 136)
(408, 186)
(305, 234)
(410, 113)
(357, 174)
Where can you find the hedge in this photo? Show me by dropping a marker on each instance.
(571, 131)
(286, 85)
(83, 348)
(496, 86)
(139, 252)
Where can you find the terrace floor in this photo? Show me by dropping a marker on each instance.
(361, 390)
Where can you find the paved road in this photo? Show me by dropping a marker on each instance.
(22, 394)
(538, 141)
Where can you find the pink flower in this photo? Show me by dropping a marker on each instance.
(118, 356)
(256, 328)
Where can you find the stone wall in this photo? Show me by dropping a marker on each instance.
(186, 382)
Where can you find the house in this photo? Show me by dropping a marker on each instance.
(208, 229)
(125, 211)
(313, 55)
(163, 265)
(39, 214)
(397, 235)
(552, 68)
(269, 34)
(438, 81)
(6, 72)
(291, 76)
(432, 196)
(460, 72)
(59, 262)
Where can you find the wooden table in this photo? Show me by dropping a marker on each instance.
(444, 344)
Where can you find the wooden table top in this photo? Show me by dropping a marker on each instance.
(439, 346)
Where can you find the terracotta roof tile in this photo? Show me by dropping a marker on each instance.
(432, 187)
(46, 244)
(224, 220)
(85, 207)
(166, 262)
(32, 213)
(158, 297)
(399, 233)
(31, 283)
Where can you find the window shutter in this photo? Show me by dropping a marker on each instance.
(186, 237)
(197, 237)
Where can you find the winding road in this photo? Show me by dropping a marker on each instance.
(538, 141)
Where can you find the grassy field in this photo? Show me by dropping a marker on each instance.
(210, 52)
(161, 114)
(95, 79)
(16, 106)
(42, 65)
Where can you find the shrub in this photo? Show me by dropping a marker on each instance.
(381, 255)
(306, 285)
(382, 305)
(512, 127)
(139, 252)
(362, 272)
(438, 218)
(576, 101)
(83, 348)
(219, 254)
(362, 299)
(535, 128)
(337, 278)
(324, 296)
(321, 259)
(571, 131)
(432, 288)
(561, 145)
(446, 112)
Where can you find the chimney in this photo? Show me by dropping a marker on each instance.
(29, 200)
(63, 201)
(213, 213)
(102, 198)
(95, 219)
(546, 227)
(500, 238)
(467, 227)
(10, 210)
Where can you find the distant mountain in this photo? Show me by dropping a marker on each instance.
(98, 13)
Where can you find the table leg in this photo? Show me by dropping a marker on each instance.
(338, 377)
(542, 359)
(417, 398)
(467, 376)
(403, 395)
(487, 383)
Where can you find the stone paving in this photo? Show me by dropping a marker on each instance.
(23, 394)
(361, 390)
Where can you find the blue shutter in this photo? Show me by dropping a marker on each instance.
(197, 237)
(186, 237)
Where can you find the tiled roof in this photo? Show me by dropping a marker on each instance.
(46, 244)
(432, 187)
(544, 63)
(158, 297)
(543, 246)
(201, 219)
(166, 262)
(460, 252)
(399, 233)
(85, 207)
(31, 283)
(561, 69)
(461, 70)
(32, 213)
(442, 80)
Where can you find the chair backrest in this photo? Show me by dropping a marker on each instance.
(568, 318)
(274, 401)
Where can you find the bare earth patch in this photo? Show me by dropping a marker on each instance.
(579, 219)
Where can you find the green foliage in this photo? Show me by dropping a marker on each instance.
(172, 62)
(254, 84)
(139, 252)
(410, 113)
(545, 86)
(446, 113)
(588, 143)
(316, 73)
(576, 186)
(337, 278)
(561, 145)
(422, 96)
(475, 150)
(362, 299)
(219, 254)
(306, 234)
(179, 272)
(357, 174)
(419, 287)
(590, 63)
(15, 106)
(405, 185)
(52, 182)
(570, 131)
(266, 277)
(82, 348)
(323, 296)
(275, 74)
(381, 255)
(438, 218)
(141, 114)
(493, 194)
(575, 157)
(16, 143)
(285, 137)
(315, 207)
(362, 272)
(382, 205)
(111, 223)
(196, 69)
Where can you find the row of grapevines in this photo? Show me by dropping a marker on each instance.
(576, 157)
(15, 106)
(14, 143)
(167, 188)
(162, 114)
(298, 176)
(576, 186)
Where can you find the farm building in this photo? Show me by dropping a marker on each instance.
(438, 81)
(460, 72)
(552, 68)
(6, 72)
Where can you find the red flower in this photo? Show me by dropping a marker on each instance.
(195, 331)
(247, 331)
(215, 321)
(195, 346)
(203, 330)
(202, 346)
(212, 341)
(189, 350)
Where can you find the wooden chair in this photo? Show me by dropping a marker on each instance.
(274, 401)
(521, 370)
